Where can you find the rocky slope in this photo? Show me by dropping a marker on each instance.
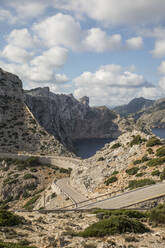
(113, 161)
(19, 130)
(135, 105)
(153, 116)
(69, 119)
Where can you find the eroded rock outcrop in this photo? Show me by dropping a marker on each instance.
(69, 119)
(19, 130)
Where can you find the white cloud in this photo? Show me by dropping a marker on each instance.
(20, 38)
(161, 68)
(97, 40)
(109, 84)
(16, 54)
(134, 43)
(59, 30)
(159, 49)
(5, 15)
(117, 12)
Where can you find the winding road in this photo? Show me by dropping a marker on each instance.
(120, 201)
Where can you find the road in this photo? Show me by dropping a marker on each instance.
(72, 193)
(123, 200)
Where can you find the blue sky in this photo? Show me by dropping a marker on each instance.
(109, 50)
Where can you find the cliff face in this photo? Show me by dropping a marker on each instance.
(69, 119)
(19, 130)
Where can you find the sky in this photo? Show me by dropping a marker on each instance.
(109, 50)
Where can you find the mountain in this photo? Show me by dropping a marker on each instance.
(135, 105)
(154, 116)
(19, 130)
(69, 119)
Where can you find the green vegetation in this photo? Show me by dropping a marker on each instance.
(153, 142)
(14, 245)
(150, 151)
(117, 145)
(124, 212)
(140, 174)
(29, 176)
(115, 173)
(138, 161)
(30, 204)
(137, 140)
(155, 173)
(110, 180)
(160, 152)
(9, 219)
(157, 215)
(156, 161)
(145, 158)
(133, 184)
(162, 175)
(114, 225)
(132, 171)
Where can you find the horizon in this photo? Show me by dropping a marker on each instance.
(108, 51)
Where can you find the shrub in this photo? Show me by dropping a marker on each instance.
(137, 140)
(30, 204)
(29, 176)
(132, 171)
(114, 225)
(139, 174)
(157, 214)
(53, 195)
(126, 212)
(156, 161)
(115, 173)
(155, 173)
(8, 219)
(162, 175)
(145, 158)
(150, 151)
(153, 142)
(138, 161)
(117, 145)
(14, 245)
(160, 152)
(133, 184)
(110, 180)
(32, 161)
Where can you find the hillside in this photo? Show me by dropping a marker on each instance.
(135, 105)
(19, 130)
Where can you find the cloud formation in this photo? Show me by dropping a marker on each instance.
(109, 84)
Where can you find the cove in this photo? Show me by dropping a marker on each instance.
(86, 148)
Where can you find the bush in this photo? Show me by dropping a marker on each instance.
(115, 173)
(8, 219)
(30, 204)
(150, 151)
(156, 161)
(32, 161)
(153, 142)
(115, 146)
(29, 176)
(162, 175)
(138, 161)
(136, 140)
(14, 245)
(110, 180)
(145, 158)
(114, 225)
(124, 212)
(155, 173)
(133, 184)
(157, 214)
(160, 152)
(132, 171)
(139, 174)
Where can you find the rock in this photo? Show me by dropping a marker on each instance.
(19, 130)
(69, 119)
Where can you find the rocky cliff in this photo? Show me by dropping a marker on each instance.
(69, 119)
(19, 130)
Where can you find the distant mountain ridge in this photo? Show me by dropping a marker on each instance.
(135, 105)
